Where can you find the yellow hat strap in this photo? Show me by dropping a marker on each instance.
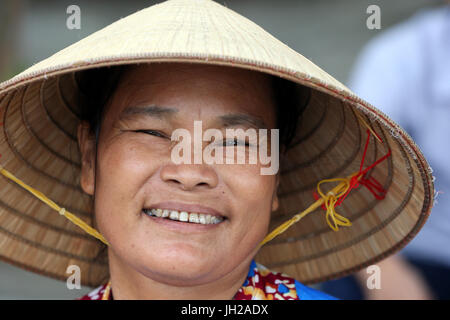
(73, 218)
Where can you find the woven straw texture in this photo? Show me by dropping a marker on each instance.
(39, 116)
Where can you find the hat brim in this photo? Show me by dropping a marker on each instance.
(38, 144)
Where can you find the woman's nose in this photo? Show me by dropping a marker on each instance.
(189, 176)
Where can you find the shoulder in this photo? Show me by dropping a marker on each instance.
(308, 293)
(265, 284)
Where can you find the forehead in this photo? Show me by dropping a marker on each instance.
(206, 89)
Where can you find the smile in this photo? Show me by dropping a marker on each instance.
(184, 216)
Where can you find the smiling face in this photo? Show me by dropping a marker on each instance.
(134, 173)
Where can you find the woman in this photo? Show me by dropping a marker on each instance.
(157, 257)
(192, 229)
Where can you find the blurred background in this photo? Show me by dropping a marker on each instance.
(330, 33)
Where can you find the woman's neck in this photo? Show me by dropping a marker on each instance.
(129, 284)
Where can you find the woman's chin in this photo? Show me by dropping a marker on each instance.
(180, 272)
(174, 262)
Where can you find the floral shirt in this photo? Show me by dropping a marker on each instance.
(261, 284)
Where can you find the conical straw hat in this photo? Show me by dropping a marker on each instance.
(39, 116)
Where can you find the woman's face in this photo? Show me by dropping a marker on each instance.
(134, 171)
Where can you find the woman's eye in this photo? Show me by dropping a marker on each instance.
(152, 132)
(234, 143)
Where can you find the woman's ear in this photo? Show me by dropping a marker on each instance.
(86, 143)
(275, 201)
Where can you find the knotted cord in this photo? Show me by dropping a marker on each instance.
(336, 196)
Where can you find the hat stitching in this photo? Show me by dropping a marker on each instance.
(41, 142)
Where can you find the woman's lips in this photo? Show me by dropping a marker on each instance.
(184, 217)
(183, 227)
(186, 207)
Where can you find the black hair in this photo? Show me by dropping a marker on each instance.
(98, 85)
(291, 100)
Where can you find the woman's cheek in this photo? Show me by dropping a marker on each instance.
(122, 171)
(248, 180)
(129, 160)
(251, 193)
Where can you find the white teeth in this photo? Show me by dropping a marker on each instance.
(174, 215)
(193, 217)
(216, 220)
(184, 216)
